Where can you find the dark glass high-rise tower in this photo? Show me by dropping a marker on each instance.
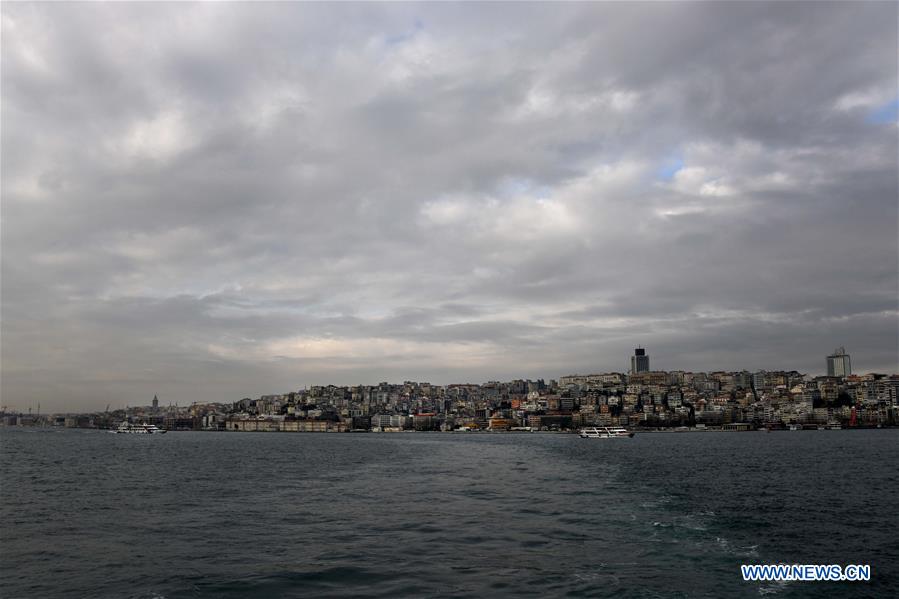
(838, 363)
(639, 361)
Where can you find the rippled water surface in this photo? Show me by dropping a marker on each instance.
(90, 514)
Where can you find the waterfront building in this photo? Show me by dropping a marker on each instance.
(639, 361)
(838, 363)
(495, 424)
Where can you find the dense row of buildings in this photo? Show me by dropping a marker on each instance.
(641, 398)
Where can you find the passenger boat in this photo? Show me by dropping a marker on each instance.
(604, 432)
(139, 429)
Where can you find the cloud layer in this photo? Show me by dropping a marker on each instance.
(208, 201)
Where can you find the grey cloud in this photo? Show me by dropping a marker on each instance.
(218, 200)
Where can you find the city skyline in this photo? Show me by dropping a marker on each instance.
(642, 368)
(650, 400)
(212, 200)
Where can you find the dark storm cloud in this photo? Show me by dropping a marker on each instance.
(209, 201)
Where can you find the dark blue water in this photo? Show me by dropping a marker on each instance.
(90, 514)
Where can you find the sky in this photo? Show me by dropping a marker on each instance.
(223, 200)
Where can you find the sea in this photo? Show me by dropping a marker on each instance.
(205, 514)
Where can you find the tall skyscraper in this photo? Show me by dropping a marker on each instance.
(838, 363)
(639, 361)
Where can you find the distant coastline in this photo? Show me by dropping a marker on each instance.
(641, 400)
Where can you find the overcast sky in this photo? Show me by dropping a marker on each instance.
(214, 201)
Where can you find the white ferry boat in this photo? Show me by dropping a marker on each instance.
(139, 429)
(604, 432)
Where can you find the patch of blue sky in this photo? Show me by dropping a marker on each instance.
(542, 192)
(402, 38)
(516, 187)
(670, 167)
(888, 113)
